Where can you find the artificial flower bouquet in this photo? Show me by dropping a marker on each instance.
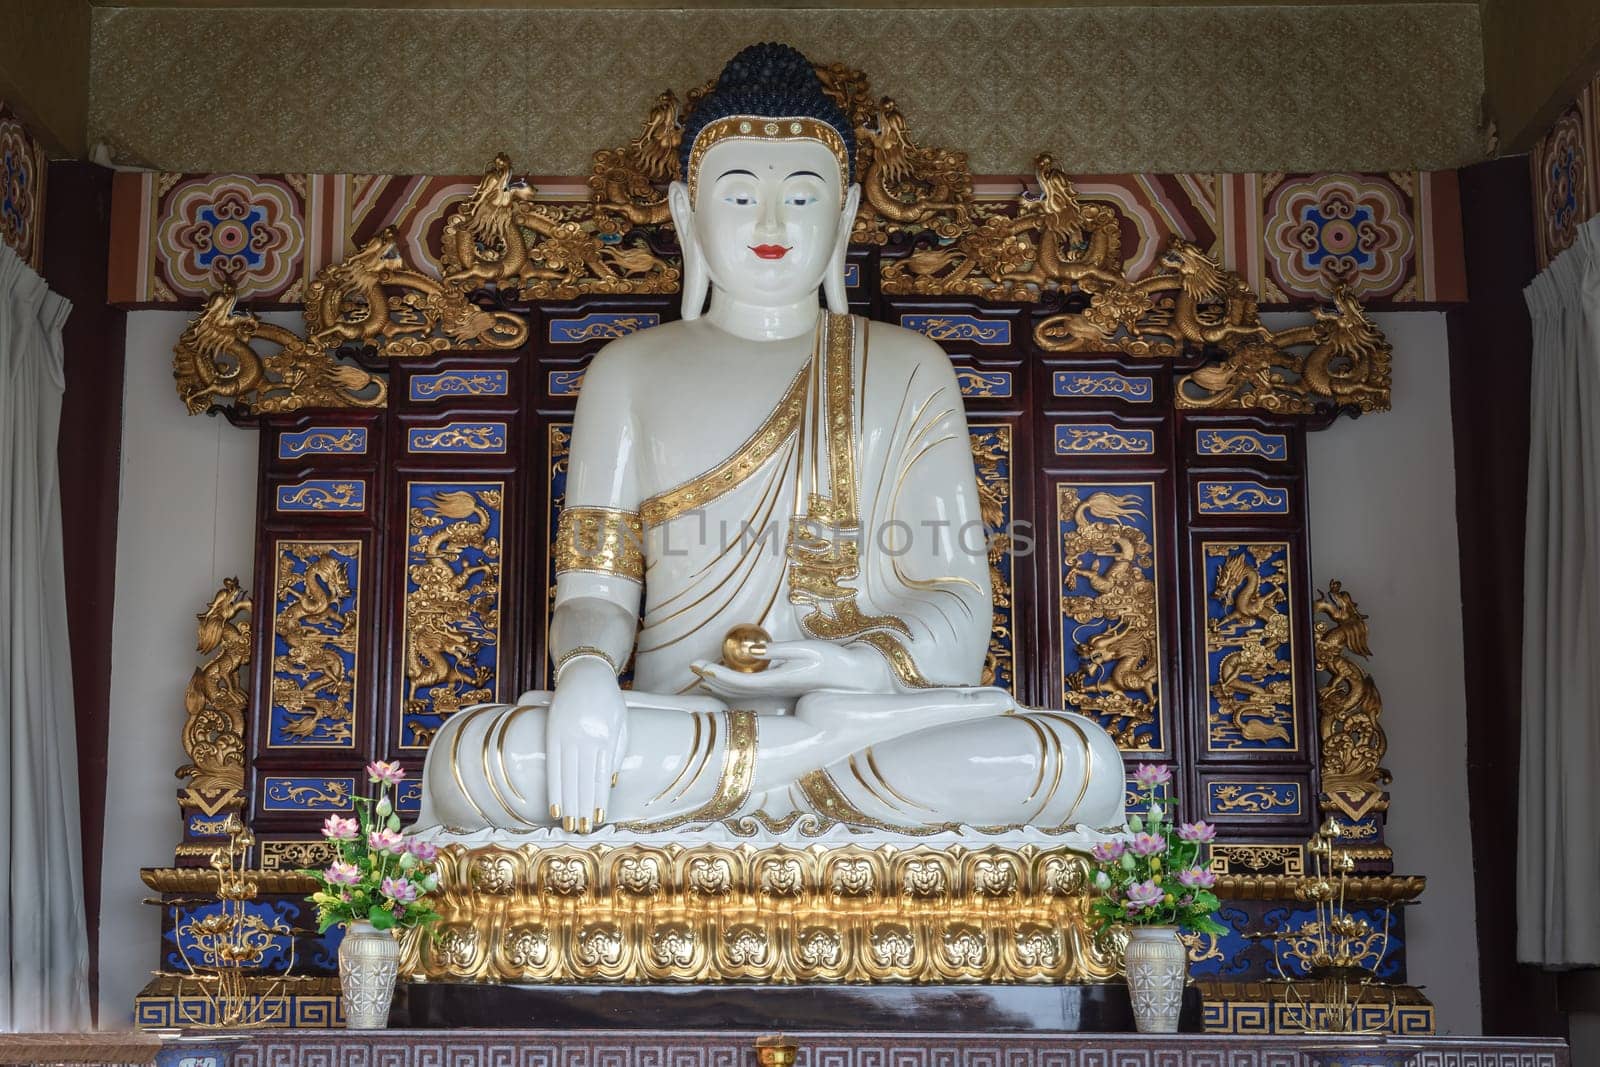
(1156, 874)
(377, 875)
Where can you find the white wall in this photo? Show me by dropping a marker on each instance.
(1383, 521)
(187, 520)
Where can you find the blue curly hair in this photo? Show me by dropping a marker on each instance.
(767, 80)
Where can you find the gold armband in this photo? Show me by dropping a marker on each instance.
(600, 540)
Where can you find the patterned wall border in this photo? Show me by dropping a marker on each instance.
(1392, 238)
(22, 184)
(1566, 175)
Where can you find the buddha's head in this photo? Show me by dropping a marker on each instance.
(766, 204)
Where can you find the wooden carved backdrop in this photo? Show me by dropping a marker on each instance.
(1140, 438)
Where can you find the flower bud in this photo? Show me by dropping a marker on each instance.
(394, 824)
(1102, 881)
(407, 861)
(384, 807)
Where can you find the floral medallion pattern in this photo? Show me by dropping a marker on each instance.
(231, 229)
(1564, 199)
(1331, 230)
(21, 189)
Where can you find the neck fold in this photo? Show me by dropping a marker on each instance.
(761, 322)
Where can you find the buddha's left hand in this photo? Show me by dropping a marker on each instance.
(796, 668)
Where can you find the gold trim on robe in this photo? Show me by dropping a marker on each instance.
(731, 472)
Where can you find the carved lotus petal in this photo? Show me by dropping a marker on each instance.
(820, 946)
(640, 875)
(599, 945)
(995, 878)
(964, 946)
(568, 877)
(782, 878)
(527, 946)
(713, 877)
(852, 877)
(747, 946)
(925, 878)
(892, 945)
(673, 945)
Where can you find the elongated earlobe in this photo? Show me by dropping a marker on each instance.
(696, 281)
(833, 287)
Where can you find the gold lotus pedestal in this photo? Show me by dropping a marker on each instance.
(742, 912)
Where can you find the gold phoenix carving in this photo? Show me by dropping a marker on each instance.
(216, 697)
(918, 203)
(640, 913)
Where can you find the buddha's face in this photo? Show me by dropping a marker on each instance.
(768, 217)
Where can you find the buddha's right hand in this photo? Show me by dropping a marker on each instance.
(586, 736)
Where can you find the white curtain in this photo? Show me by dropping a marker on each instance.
(44, 982)
(1558, 842)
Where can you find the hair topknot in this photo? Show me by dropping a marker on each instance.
(772, 81)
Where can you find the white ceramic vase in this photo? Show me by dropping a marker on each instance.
(1158, 966)
(369, 959)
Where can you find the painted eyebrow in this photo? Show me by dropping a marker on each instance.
(805, 174)
(725, 173)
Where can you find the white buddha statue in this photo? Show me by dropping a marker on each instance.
(767, 463)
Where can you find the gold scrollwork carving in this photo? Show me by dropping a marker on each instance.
(831, 913)
(216, 698)
(1249, 648)
(1349, 708)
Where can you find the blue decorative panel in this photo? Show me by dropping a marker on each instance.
(566, 382)
(1133, 801)
(1249, 647)
(408, 797)
(1102, 383)
(560, 442)
(1111, 639)
(1230, 956)
(1379, 943)
(968, 328)
(1231, 800)
(991, 458)
(1273, 446)
(600, 326)
(315, 630)
(323, 441)
(450, 383)
(477, 438)
(452, 610)
(852, 275)
(1241, 498)
(200, 824)
(268, 923)
(307, 793)
(984, 383)
(1103, 439)
(323, 494)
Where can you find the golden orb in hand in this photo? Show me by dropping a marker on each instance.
(745, 648)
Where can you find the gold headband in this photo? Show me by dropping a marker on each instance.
(799, 128)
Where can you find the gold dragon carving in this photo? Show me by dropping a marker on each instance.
(1251, 684)
(311, 678)
(1349, 708)
(216, 697)
(1118, 659)
(918, 203)
(991, 447)
(453, 605)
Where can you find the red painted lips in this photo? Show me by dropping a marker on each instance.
(769, 251)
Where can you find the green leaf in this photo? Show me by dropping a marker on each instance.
(380, 917)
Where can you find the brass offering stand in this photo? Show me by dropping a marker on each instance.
(1340, 991)
(222, 952)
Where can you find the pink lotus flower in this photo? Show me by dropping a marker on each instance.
(341, 873)
(399, 890)
(380, 771)
(1197, 878)
(1108, 851)
(337, 829)
(1148, 844)
(1144, 894)
(386, 841)
(1197, 831)
(1150, 775)
(425, 851)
